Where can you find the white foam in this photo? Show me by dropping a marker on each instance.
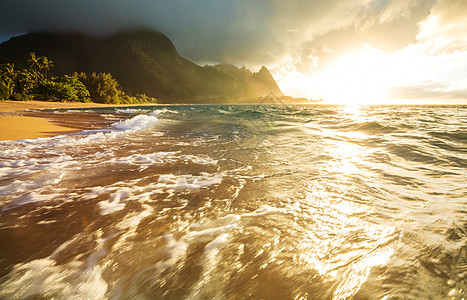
(116, 201)
(45, 277)
(38, 163)
(146, 160)
(202, 160)
(263, 210)
(139, 122)
(109, 116)
(77, 111)
(130, 111)
(208, 230)
(157, 158)
(34, 197)
(132, 221)
(217, 235)
(175, 250)
(39, 179)
(108, 207)
(41, 187)
(189, 181)
(156, 112)
(224, 112)
(218, 243)
(129, 225)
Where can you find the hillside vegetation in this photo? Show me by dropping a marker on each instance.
(143, 62)
(34, 83)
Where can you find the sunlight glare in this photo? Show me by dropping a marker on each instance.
(357, 79)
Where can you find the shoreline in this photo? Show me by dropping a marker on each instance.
(17, 123)
(7, 106)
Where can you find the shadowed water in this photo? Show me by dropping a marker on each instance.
(239, 202)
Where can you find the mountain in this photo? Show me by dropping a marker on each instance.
(143, 61)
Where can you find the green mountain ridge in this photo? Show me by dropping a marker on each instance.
(143, 61)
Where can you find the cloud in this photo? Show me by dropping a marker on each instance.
(428, 90)
(296, 38)
(423, 42)
(335, 28)
(241, 32)
(444, 30)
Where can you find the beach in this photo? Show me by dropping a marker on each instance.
(20, 120)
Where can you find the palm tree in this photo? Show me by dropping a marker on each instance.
(7, 75)
(34, 62)
(23, 82)
(46, 64)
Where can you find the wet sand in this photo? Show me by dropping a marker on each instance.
(21, 127)
(17, 123)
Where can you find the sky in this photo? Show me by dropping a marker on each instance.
(349, 51)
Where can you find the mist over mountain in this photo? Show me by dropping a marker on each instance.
(143, 61)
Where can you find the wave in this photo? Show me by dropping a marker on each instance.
(130, 110)
(459, 136)
(314, 113)
(415, 153)
(250, 114)
(367, 127)
(139, 122)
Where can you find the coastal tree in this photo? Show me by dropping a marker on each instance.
(3, 91)
(79, 88)
(62, 88)
(23, 84)
(34, 62)
(7, 75)
(45, 64)
(33, 83)
(102, 87)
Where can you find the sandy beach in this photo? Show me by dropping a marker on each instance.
(15, 125)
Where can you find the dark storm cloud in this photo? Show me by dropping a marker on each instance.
(204, 30)
(234, 31)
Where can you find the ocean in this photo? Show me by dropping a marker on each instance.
(239, 202)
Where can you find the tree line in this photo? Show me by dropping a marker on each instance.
(34, 84)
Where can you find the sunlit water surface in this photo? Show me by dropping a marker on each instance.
(240, 202)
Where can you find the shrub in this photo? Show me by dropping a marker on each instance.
(61, 88)
(82, 94)
(102, 87)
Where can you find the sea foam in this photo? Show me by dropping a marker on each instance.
(130, 111)
(139, 122)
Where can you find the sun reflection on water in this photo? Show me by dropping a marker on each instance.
(346, 155)
(354, 111)
(342, 247)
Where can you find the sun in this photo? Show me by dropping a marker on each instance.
(357, 79)
(361, 77)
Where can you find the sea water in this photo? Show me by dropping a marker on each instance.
(239, 202)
